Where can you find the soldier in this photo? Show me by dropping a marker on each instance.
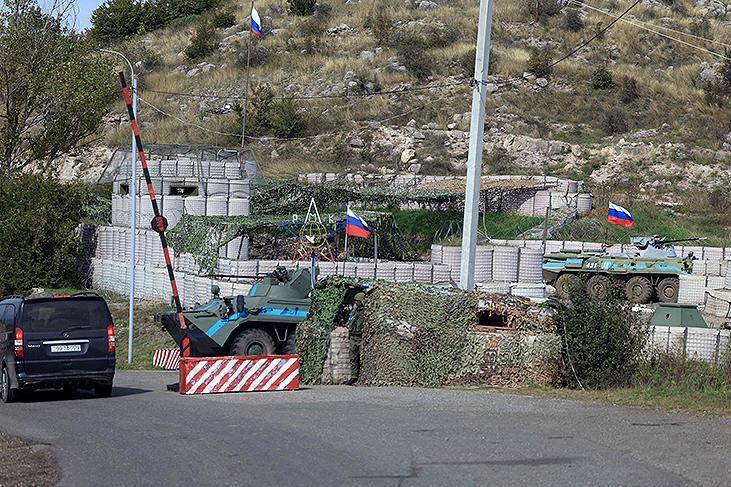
(355, 328)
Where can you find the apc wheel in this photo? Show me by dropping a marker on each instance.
(565, 283)
(638, 289)
(7, 394)
(252, 342)
(290, 347)
(598, 287)
(667, 290)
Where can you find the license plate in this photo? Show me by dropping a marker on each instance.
(65, 348)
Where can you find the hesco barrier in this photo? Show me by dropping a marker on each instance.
(704, 344)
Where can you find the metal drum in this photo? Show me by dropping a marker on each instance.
(584, 203)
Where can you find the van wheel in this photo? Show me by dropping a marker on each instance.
(7, 394)
(252, 342)
(103, 391)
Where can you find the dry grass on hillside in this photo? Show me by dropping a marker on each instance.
(667, 95)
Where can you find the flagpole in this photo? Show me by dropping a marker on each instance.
(375, 254)
(347, 209)
(246, 91)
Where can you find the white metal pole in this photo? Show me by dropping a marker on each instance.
(474, 160)
(347, 210)
(133, 226)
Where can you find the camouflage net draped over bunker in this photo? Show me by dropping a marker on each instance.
(283, 197)
(313, 334)
(203, 236)
(416, 335)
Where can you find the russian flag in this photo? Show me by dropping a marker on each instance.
(355, 226)
(620, 216)
(256, 24)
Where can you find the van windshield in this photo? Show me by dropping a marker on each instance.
(60, 314)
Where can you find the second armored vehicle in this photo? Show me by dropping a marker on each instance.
(652, 270)
(262, 323)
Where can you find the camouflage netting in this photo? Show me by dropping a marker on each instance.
(287, 196)
(203, 236)
(416, 335)
(313, 334)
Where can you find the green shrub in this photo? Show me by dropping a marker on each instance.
(601, 79)
(203, 42)
(603, 339)
(572, 21)
(539, 63)
(615, 121)
(467, 62)
(302, 7)
(260, 108)
(120, 19)
(222, 19)
(541, 9)
(726, 72)
(38, 242)
(673, 371)
(427, 35)
(257, 56)
(630, 89)
(416, 60)
(714, 94)
(379, 20)
(286, 119)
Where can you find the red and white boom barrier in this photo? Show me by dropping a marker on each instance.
(210, 375)
(166, 358)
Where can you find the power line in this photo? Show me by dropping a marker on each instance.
(637, 21)
(640, 26)
(334, 132)
(584, 44)
(314, 97)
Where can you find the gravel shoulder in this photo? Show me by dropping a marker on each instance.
(26, 464)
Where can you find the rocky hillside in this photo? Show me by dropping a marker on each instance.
(384, 86)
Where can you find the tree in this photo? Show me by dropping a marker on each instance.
(54, 89)
(39, 247)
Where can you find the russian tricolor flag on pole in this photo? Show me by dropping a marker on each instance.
(620, 216)
(256, 23)
(355, 226)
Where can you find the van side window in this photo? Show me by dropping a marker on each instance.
(6, 317)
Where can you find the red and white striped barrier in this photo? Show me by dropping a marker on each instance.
(166, 358)
(209, 375)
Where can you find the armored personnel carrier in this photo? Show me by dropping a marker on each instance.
(262, 323)
(647, 273)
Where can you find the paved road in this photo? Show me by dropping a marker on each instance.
(339, 436)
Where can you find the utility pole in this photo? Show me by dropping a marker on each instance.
(474, 160)
(132, 211)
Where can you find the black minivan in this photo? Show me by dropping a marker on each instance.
(64, 341)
